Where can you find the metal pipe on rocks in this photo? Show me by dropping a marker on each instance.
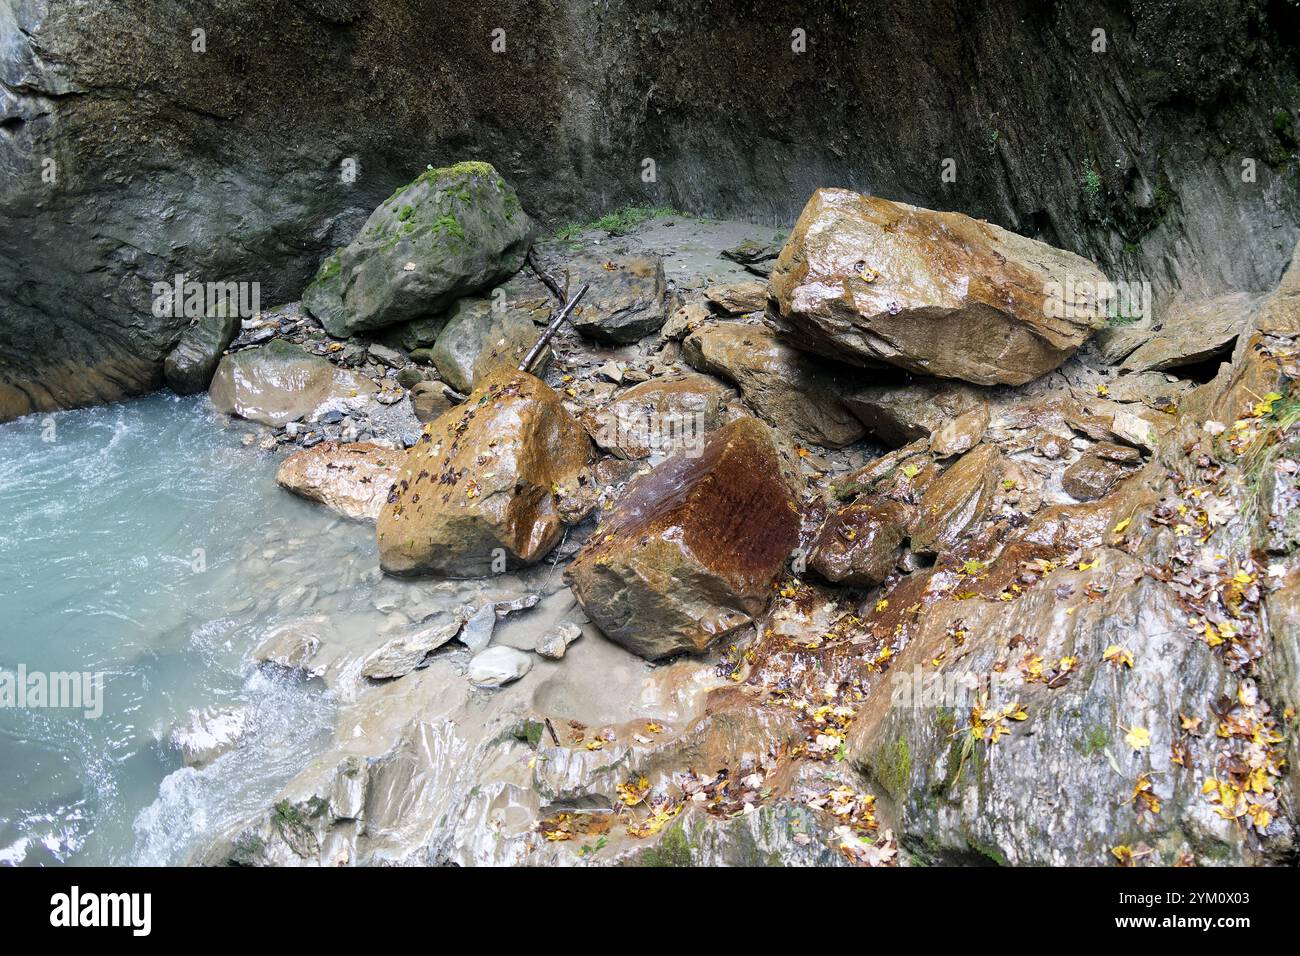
(535, 353)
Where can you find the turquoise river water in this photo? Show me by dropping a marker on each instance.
(144, 543)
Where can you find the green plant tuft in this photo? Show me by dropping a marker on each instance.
(617, 222)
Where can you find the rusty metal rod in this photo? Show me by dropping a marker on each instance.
(548, 280)
(535, 353)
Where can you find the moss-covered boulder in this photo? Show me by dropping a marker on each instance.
(452, 232)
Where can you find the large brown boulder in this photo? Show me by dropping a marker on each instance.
(352, 479)
(692, 550)
(476, 494)
(795, 391)
(938, 293)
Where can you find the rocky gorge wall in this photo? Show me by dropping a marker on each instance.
(127, 157)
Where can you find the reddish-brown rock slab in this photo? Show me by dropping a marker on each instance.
(691, 551)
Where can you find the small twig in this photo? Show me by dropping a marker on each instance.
(551, 730)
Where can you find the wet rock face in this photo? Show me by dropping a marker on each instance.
(1195, 331)
(209, 734)
(1060, 788)
(278, 382)
(902, 413)
(957, 500)
(1099, 469)
(478, 340)
(294, 646)
(476, 493)
(352, 479)
(868, 280)
(627, 299)
(1281, 669)
(692, 549)
(660, 416)
(796, 392)
(859, 545)
(1116, 679)
(1279, 491)
(451, 232)
(190, 366)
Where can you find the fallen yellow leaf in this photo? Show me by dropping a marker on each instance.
(1139, 738)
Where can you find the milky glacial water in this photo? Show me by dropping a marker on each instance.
(144, 542)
